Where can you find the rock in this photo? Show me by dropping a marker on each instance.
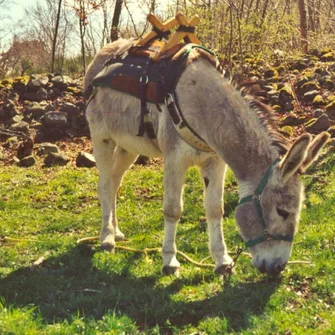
(55, 93)
(25, 149)
(286, 97)
(271, 73)
(292, 120)
(310, 95)
(331, 131)
(36, 82)
(308, 86)
(316, 126)
(20, 126)
(55, 159)
(328, 57)
(318, 100)
(318, 112)
(41, 94)
(47, 148)
(14, 119)
(85, 159)
(9, 109)
(287, 131)
(27, 161)
(300, 64)
(61, 82)
(70, 109)
(330, 110)
(55, 118)
(35, 110)
(11, 142)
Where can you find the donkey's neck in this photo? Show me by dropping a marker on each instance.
(228, 124)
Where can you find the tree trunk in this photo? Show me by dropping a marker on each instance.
(116, 20)
(54, 41)
(303, 25)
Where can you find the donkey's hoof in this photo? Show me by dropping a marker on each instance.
(119, 237)
(225, 269)
(106, 246)
(170, 270)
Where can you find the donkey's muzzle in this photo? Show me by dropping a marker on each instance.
(271, 268)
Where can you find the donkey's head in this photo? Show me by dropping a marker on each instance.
(269, 217)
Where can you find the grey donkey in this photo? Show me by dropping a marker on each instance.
(266, 166)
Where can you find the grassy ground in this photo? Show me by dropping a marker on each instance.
(51, 285)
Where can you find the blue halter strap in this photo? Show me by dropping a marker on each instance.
(256, 199)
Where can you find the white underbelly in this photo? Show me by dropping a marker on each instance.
(137, 144)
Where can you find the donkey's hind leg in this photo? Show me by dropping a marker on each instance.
(213, 173)
(112, 162)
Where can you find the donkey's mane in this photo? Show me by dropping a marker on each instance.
(252, 93)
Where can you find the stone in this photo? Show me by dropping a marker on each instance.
(270, 73)
(20, 126)
(316, 126)
(331, 131)
(55, 118)
(11, 142)
(36, 82)
(25, 148)
(318, 100)
(41, 94)
(330, 110)
(310, 95)
(61, 82)
(70, 109)
(286, 97)
(14, 119)
(292, 120)
(55, 159)
(318, 112)
(287, 131)
(36, 110)
(47, 148)
(85, 159)
(27, 161)
(308, 86)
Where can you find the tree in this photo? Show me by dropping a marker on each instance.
(116, 20)
(303, 25)
(55, 36)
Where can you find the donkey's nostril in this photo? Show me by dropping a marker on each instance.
(281, 267)
(261, 267)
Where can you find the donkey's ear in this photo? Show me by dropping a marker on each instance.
(314, 150)
(295, 157)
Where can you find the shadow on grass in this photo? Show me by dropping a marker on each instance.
(71, 282)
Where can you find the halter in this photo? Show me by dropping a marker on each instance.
(256, 199)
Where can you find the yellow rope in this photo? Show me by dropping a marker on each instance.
(146, 251)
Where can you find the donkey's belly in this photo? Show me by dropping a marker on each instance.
(137, 144)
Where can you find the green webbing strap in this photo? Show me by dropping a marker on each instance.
(260, 187)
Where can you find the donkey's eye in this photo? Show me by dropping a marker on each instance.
(282, 213)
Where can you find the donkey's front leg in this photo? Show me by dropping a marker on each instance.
(174, 173)
(213, 172)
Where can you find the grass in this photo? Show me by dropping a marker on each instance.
(51, 285)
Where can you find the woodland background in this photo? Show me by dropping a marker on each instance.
(63, 35)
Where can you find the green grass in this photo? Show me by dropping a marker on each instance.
(79, 290)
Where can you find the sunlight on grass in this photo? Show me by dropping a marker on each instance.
(51, 285)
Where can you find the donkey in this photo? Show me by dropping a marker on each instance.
(267, 169)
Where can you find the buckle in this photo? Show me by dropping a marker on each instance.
(256, 197)
(169, 99)
(144, 79)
